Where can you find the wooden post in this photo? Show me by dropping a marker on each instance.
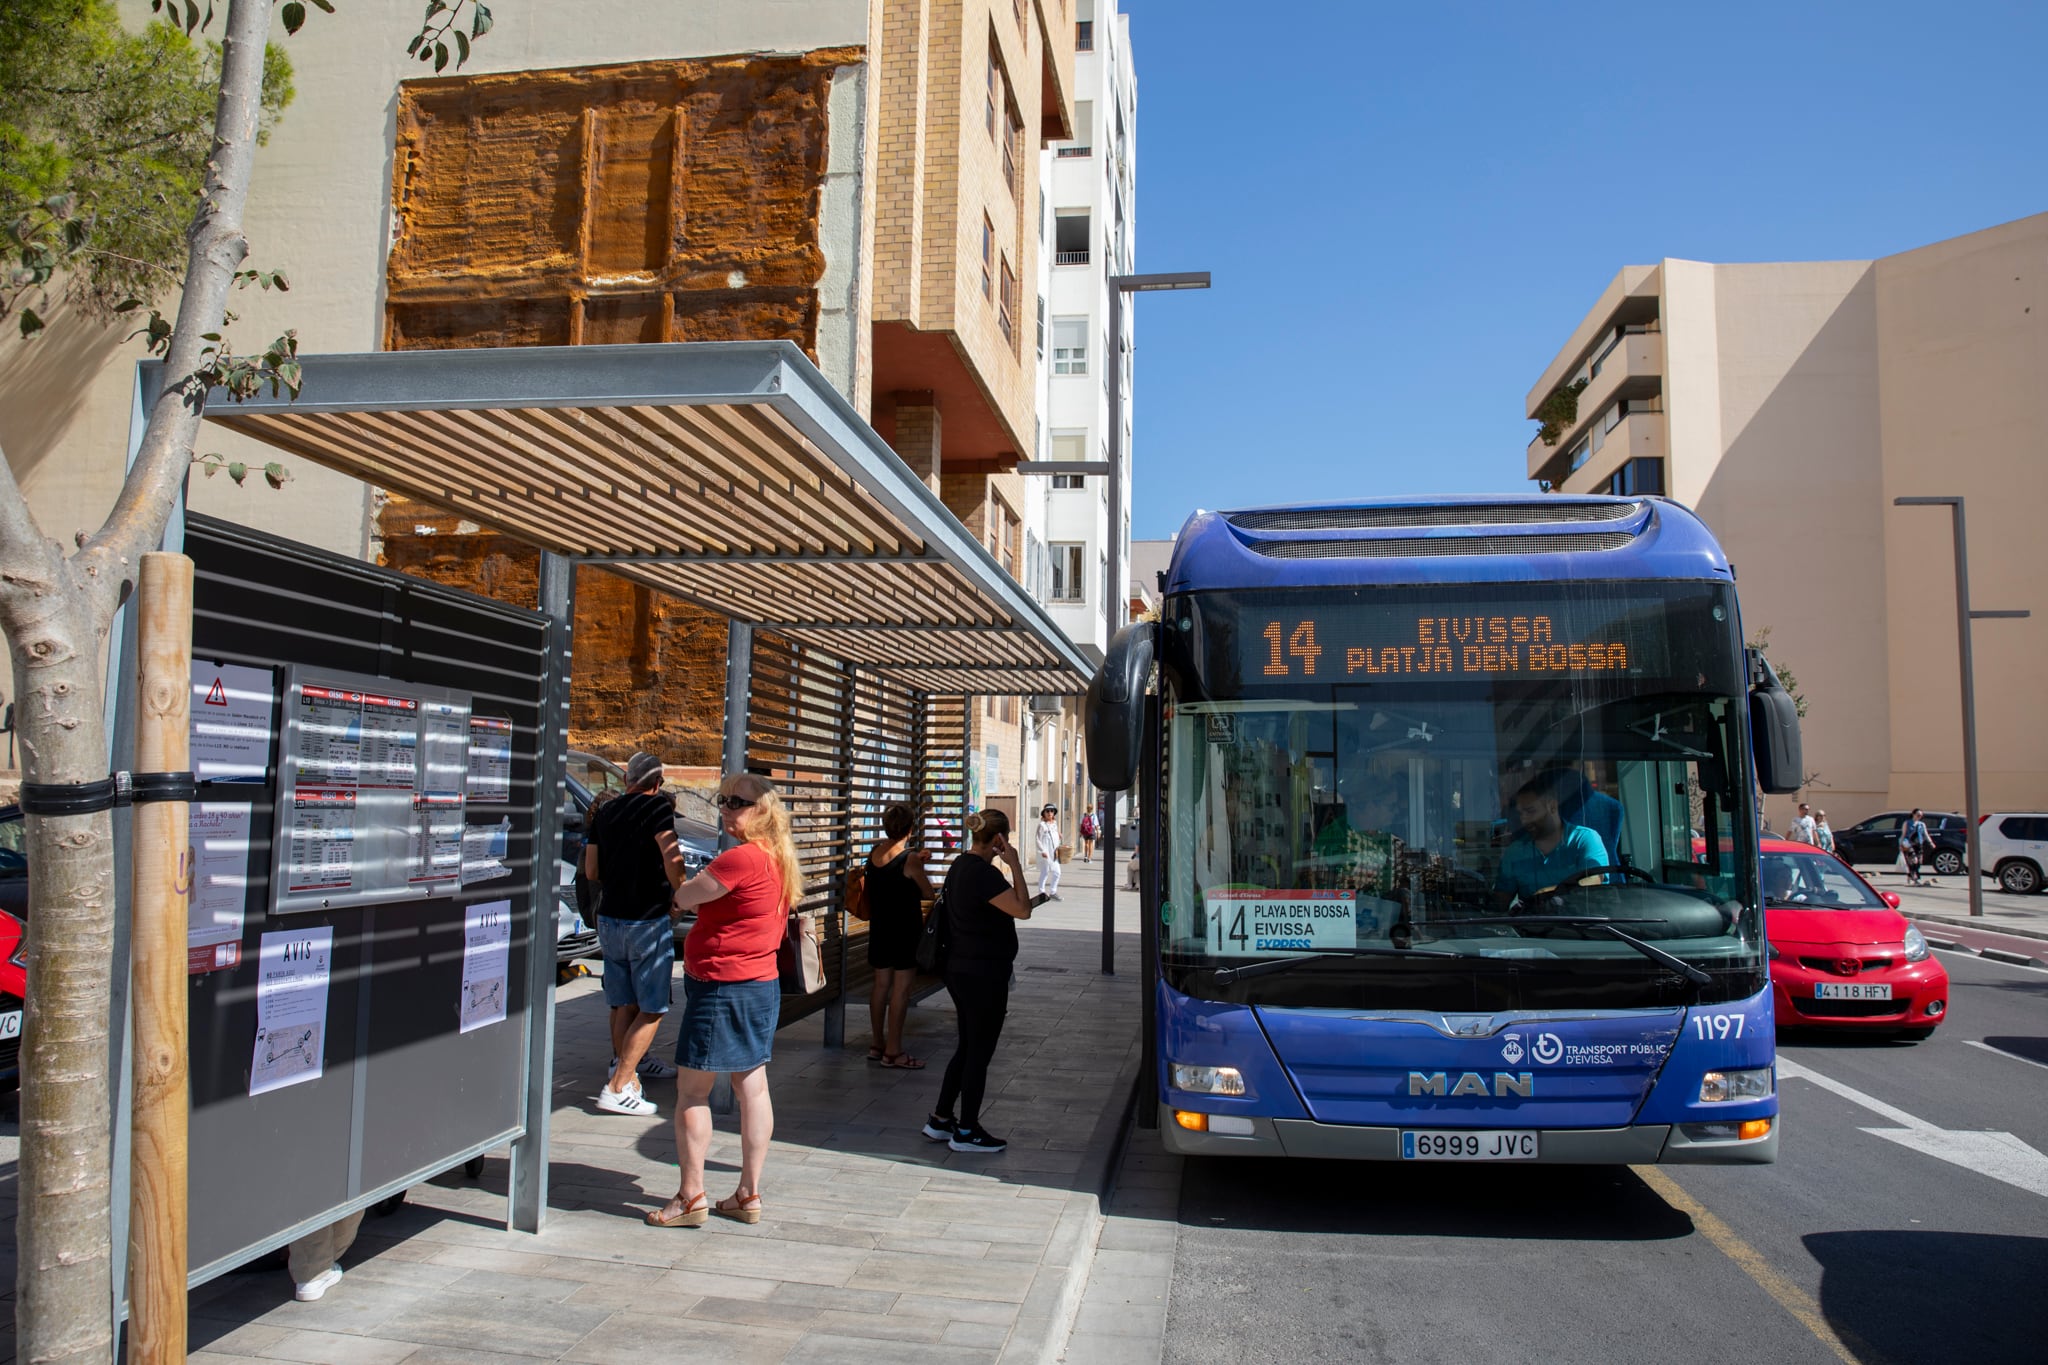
(162, 890)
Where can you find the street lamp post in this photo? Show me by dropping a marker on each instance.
(1115, 589)
(1973, 869)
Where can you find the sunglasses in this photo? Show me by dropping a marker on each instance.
(733, 803)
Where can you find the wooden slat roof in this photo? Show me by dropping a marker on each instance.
(728, 473)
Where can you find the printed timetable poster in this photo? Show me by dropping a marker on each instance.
(373, 774)
(294, 967)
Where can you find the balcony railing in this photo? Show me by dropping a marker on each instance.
(1083, 150)
(1070, 257)
(1084, 35)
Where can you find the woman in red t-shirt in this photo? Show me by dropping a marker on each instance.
(731, 997)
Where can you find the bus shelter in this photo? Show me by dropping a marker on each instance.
(862, 616)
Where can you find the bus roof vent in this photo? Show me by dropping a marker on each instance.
(1532, 511)
(1397, 548)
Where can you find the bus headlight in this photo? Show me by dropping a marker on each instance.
(1207, 1080)
(1717, 1086)
(1916, 944)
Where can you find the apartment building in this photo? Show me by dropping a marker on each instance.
(1789, 403)
(859, 177)
(1087, 232)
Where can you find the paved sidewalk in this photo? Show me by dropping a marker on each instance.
(877, 1245)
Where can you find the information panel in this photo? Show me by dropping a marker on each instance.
(371, 790)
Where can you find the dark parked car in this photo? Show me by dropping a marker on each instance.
(592, 777)
(1876, 840)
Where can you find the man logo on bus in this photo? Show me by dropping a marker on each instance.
(1511, 1049)
(1548, 1049)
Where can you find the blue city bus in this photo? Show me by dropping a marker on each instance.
(1449, 816)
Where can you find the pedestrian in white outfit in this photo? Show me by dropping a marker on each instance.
(1049, 852)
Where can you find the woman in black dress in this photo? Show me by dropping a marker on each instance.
(897, 888)
(982, 907)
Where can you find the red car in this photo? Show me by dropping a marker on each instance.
(13, 990)
(1842, 956)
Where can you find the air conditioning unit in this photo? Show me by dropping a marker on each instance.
(1044, 704)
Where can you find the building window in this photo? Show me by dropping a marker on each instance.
(1013, 149)
(1070, 237)
(1070, 345)
(988, 258)
(1084, 26)
(1638, 476)
(1580, 452)
(1073, 446)
(995, 85)
(1084, 130)
(1006, 303)
(1041, 326)
(1066, 572)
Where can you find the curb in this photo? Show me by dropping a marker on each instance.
(2016, 959)
(1050, 1310)
(1964, 922)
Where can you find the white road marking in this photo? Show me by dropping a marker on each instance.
(2001, 1052)
(1998, 1155)
(1987, 961)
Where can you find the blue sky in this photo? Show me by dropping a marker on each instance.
(1408, 207)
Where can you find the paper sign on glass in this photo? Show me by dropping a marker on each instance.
(293, 969)
(486, 958)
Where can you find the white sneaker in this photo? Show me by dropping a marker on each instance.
(318, 1285)
(632, 1102)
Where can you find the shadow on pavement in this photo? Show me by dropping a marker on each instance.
(1913, 1296)
(2034, 1050)
(1454, 1199)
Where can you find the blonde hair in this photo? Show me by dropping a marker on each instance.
(766, 823)
(988, 825)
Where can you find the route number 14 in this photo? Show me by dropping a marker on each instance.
(1300, 645)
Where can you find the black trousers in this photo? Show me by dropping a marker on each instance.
(980, 1003)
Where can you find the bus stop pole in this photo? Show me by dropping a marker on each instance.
(529, 1185)
(162, 870)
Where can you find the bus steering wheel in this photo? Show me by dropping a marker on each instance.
(1623, 868)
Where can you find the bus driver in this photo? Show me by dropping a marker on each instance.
(1549, 851)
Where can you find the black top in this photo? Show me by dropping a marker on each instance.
(891, 892)
(979, 938)
(629, 863)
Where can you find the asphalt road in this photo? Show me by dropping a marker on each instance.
(1854, 1246)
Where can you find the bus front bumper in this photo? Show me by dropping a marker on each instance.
(1648, 1143)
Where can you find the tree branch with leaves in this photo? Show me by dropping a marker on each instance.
(74, 212)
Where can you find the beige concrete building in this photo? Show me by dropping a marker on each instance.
(1789, 404)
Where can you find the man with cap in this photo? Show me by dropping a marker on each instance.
(1049, 852)
(632, 851)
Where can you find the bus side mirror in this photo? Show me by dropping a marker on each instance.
(1774, 731)
(1114, 724)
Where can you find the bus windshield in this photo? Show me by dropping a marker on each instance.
(1459, 797)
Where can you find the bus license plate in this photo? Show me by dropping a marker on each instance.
(1852, 990)
(1483, 1144)
(10, 1024)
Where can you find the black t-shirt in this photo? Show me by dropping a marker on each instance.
(979, 937)
(629, 862)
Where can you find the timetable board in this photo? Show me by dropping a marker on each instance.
(371, 789)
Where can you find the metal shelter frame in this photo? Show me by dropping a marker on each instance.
(730, 474)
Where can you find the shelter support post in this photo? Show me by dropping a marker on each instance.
(529, 1185)
(739, 678)
(162, 879)
(835, 1010)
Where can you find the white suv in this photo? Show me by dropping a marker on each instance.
(2015, 848)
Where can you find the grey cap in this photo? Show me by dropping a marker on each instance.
(642, 768)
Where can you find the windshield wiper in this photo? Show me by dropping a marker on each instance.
(1649, 950)
(1281, 964)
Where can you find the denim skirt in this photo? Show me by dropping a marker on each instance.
(727, 1025)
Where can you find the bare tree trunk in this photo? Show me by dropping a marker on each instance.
(56, 612)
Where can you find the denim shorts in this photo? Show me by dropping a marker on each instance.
(727, 1025)
(639, 962)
